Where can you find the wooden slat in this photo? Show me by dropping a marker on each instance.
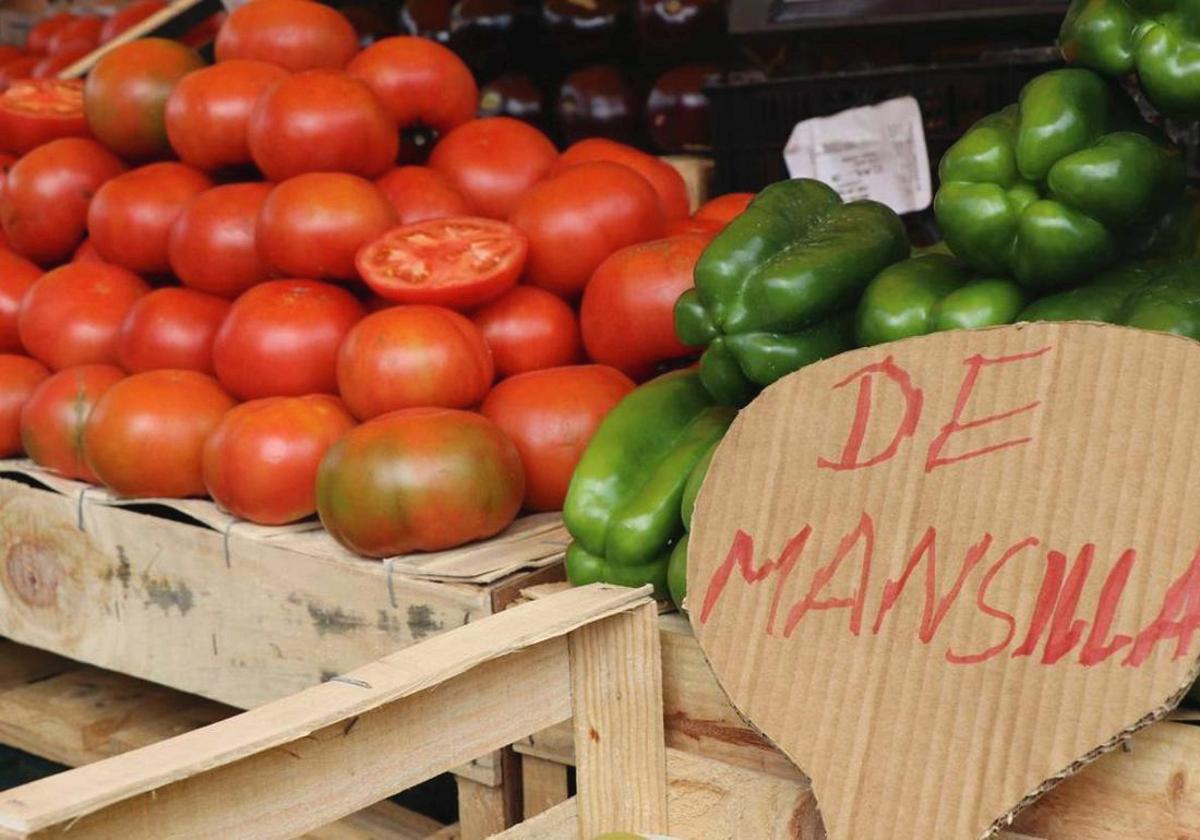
(480, 810)
(21, 665)
(383, 821)
(544, 784)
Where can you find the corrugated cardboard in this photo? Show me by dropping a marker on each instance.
(1040, 483)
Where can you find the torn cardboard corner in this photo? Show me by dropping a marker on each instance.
(945, 573)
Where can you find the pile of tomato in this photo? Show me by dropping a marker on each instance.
(257, 281)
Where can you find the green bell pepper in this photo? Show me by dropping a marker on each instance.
(623, 504)
(677, 566)
(1169, 303)
(932, 293)
(1044, 190)
(1100, 300)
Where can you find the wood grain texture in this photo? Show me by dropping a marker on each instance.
(545, 784)
(480, 810)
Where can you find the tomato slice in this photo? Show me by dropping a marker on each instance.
(460, 262)
(36, 111)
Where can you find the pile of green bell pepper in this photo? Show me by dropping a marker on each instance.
(1058, 186)
(776, 289)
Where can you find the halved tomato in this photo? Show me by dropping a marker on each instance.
(459, 263)
(36, 111)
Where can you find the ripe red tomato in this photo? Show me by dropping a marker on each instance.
(126, 93)
(208, 112)
(321, 121)
(53, 419)
(19, 377)
(171, 328)
(17, 274)
(419, 194)
(73, 314)
(260, 463)
(529, 329)
(422, 84)
(39, 37)
(693, 226)
(297, 35)
(281, 339)
(211, 246)
(145, 436)
(8, 53)
(53, 64)
(127, 16)
(86, 252)
(205, 32)
(130, 218)
(577, 218)
(17, 69)
(666, 180)
(493, 162)
(410, 356)
(460, 263)
(83, 31)
(725, 208)
(46, 195)
(314, 224)
(36, 111)
(628, 310)
(422, 479)
(551, 416)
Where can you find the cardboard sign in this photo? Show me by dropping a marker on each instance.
(944, 573)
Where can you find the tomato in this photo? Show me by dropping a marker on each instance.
(493, 162)
(529, 329)
(145, 436)
(34, 112)
(171, 328)
(419, 194)
(17, 274)
(577, 218)
(129, 15)
(53, 419)
(666, 180)
(313, 225)
(19, 377)
(205, 32)
(422, 479)
(281, 339)
(260, 463)
(130, 218)
(53, 64)
(551, 416)
(459, 263)
(81, 32)
(693, 226)
(321, 121)
(73, 314)
(411, 356)
(724, 209)
(211, 246)
(422, 84)
(9, 53)
(294, 34)
(628, 310)
(39, 37)
(17, 69)
(86, 252)
(208, 112)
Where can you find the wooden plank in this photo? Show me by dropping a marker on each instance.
(21, 665)
(544, 784)
(382, 821)
(480, 810)
(616, 688)
(559, 823)
(697, 176)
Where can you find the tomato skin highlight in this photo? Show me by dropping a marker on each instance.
(410, 357)
(421, 479)
(36, 111)
(171, 328)
(664, 178)
(529, 329)
(145, 436)
(17, 274)
(420, 194)
(19, 378)
(420, 82)
(211, 246)
(53, 419)
(296, 35)
(260, 463)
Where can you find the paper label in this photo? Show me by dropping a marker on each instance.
(876, 152)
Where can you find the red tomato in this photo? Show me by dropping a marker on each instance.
(281, 339)
(314, 224)
(724, 209)
(208, 112)
(261, 462)
(171, 328)
(19, 378)
(86, 252)
(9, 53)
(130, 218)
(294, 34)
(551, 416)
(17, 69)
(53, 64)
(628, 310)
(423, 479)
(529, 329)
(40, 36)
(17, 274)
(410, 356)
(211, 246)
(422, 84)
(35, 112)
(126, 93)
(129, 15)
(145, 436)
(73, 314)
(205, 32)
(493, 162)
(577, 218)
(419, 194)
(694, 226)
(82, 31)
(460, 263)
(666, 180)
(321, 121)
(46, 195)
(53, 419)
